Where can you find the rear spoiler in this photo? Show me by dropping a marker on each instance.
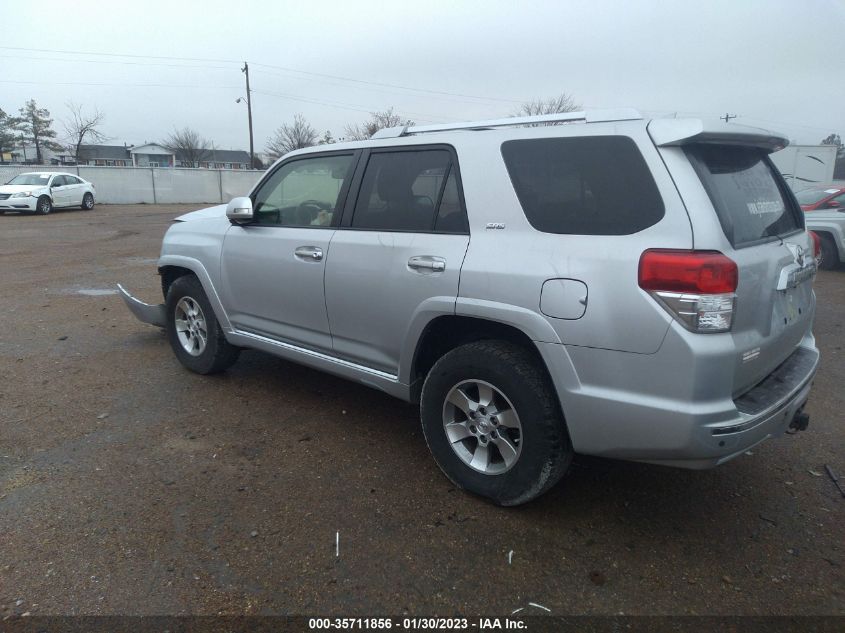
(675, 132)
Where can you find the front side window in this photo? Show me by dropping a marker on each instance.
(305, 192)
(58, 181)
(747, 192)
(594, 185)
(400, 190)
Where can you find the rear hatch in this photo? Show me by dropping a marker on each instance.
(740, 205)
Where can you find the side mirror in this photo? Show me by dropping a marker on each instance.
(239, 211)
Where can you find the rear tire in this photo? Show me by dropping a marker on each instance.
(506, 400)
(829, 256)
(44, 206)
(193, 331)
(87, 202)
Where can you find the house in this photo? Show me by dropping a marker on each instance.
(155, 155)
(152, 155)
(216, 159)
(105, 155)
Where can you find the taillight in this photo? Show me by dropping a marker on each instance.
(817, 245)
(698, 288)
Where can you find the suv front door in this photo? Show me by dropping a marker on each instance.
(397, 254)
(272, 270)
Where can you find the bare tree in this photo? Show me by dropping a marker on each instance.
(378, 121)
(37, 128)
(81, 127)
(292, 136)
(188, 146)
(553, 105)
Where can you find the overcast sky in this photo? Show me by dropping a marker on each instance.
(774, 63)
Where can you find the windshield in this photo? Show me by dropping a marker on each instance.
(30, 179)
(812, 196)
(749, 195)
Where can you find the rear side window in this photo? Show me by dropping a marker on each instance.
(749, 196)
(598, 185)
(400, 191)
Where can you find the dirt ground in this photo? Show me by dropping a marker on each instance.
(129, 485)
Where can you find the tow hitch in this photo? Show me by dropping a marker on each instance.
(800, 422)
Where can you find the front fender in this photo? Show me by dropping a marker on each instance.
(197, 267)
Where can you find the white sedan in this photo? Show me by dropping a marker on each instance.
(43, 191)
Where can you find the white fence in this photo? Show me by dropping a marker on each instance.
(154, 185)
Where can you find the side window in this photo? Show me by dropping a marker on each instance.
(597, 185)
(72, 180)
(400, 190)
(303, 192)
(58, 181)
(450, 216)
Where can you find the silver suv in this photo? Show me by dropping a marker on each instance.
(589, 283)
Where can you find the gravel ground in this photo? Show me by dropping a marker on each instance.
(130, 486)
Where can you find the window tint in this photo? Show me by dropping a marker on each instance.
(746, 192)
(58, 181)
(597, 185)
(72, 180)
(450, 216)
(400, 190)
(304, 192)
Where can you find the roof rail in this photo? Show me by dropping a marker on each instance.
(590, 116)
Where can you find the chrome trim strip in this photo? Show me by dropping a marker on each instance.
(320, 356)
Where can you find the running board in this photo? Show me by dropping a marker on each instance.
(145, 312)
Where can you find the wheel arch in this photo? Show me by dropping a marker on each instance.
(172, 267)
(446, 332)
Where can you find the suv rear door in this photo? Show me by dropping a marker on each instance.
(397, 255)
(739, 204)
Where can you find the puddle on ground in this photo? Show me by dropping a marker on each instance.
(94, 292)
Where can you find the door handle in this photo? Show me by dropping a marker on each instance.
(426, 262)
(309, 253)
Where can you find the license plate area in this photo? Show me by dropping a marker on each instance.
(792, 305)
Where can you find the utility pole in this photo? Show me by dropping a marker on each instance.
(727, 117)
(245, 70)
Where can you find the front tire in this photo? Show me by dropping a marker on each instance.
(87, 202)
(44, 206)
(194, 332)
(492, 421)
(829, 256)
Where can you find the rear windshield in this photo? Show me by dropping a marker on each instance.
(593, 185)
(750, 197)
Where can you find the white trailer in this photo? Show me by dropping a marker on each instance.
(806, 165)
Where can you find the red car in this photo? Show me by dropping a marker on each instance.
(822, 197)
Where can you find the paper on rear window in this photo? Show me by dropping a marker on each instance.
(751, 202)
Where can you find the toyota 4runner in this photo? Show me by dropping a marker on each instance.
(591, 283)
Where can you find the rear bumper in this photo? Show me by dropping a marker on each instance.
(619, 416)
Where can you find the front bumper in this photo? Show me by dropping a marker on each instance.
(148, 313)
(19, 204)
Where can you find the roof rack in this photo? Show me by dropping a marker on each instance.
(590, 116)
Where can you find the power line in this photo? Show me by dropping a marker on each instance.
(108, 61)
(88, 83)
(387, 85)
(345, 106)
(232, 61)
(132, 55)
